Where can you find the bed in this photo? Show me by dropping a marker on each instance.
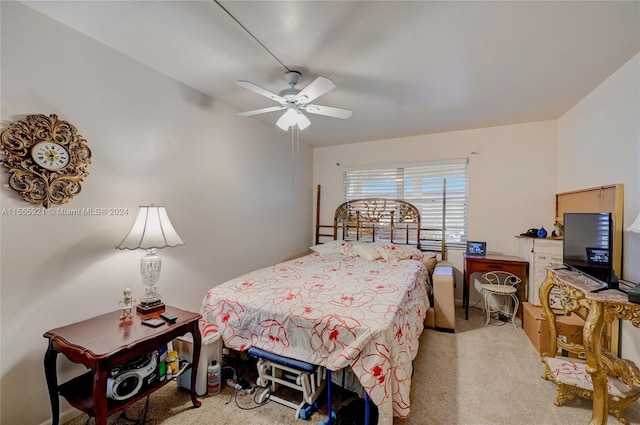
(357, 302)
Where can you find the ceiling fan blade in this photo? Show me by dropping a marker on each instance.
(317, 88)
(261, 111)
(257, 89)
(328, 111)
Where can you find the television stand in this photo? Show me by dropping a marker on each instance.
(601, 310)
(614, 283)
(606, 288)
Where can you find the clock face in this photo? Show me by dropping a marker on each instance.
(50, 155)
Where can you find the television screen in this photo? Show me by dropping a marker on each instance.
(588, 245)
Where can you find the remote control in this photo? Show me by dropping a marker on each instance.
(154, 323)
(170, 318)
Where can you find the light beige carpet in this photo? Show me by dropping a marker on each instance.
(481, 375)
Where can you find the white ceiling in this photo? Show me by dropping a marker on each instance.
(404, 68)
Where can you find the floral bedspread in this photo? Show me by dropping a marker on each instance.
(331, 310)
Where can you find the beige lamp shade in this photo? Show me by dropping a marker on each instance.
(152, 229)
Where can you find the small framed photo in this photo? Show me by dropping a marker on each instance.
(478, 249)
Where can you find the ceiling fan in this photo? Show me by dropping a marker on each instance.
(295, 101)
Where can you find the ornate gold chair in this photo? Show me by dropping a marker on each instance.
(572, 379)
(500, 294)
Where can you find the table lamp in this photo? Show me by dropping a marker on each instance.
(635, 226)
(152, 230)
(634, 293)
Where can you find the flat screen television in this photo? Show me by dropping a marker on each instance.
(588, 246)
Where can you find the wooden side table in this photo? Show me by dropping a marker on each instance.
(104, 342)
(491, 262)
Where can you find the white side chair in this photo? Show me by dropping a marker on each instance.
(500, 294)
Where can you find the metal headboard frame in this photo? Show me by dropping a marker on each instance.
(372, 219)
(377, 219)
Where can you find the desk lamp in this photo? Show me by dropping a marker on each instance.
(634, 293)
(152, 230)
(635, 226)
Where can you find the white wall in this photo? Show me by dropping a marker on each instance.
(599, 144)
(222, 178)
(512, 175)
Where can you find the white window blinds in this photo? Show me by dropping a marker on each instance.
(430, 187)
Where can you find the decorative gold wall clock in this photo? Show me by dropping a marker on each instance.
(46, 157)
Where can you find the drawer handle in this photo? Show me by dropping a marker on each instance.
(496, 266)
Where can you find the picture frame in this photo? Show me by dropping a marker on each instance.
(476, 248)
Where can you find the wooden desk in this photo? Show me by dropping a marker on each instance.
(493, 262)
(103, 342)
(601, 308)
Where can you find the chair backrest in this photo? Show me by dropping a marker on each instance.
(501, 278)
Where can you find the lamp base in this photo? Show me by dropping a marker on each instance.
(152, 307)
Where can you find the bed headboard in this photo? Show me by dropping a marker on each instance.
(381, 219)
(374, 219)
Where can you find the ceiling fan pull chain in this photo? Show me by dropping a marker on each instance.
(295, 155)
(297, 150)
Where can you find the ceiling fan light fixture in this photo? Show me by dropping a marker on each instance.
(287, 119)
(291, 118)
(303, 121)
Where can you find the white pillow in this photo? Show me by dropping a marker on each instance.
(367, 251)
(391, 252)
(348, 248)
(327, 247)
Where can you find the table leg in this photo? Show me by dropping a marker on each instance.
(465, 294)
(522, 297)
(592, 334)
(197, 341)
(51, 375)
(100, 395)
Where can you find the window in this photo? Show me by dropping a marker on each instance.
(425, 186)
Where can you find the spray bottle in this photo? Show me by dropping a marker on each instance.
(213, 378)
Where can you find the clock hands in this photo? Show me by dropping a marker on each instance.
(51, 155)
